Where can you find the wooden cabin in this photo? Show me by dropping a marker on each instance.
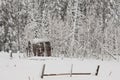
(41, 47)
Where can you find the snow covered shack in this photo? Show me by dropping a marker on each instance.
(41, 47)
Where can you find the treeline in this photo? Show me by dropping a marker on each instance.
(76, 28)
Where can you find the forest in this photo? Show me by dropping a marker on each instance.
(75, 28)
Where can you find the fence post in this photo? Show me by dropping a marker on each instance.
(97, 70)
(43, 69)
(71, 70)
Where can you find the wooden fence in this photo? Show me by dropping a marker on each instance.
(71, 72)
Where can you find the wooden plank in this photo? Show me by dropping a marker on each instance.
(43, 70)
(56, 74)
(97, 70)
(81, 73)
(67, 74)
(71, 70)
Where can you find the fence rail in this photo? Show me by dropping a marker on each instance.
(71, 73)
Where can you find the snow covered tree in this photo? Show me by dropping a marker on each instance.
(76, 28)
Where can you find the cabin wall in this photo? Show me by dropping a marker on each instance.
(42, 49)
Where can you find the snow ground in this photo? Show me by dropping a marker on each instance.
(20, 68)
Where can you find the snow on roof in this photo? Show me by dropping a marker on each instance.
(37, 40)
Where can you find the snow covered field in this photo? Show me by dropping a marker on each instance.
(20, 68)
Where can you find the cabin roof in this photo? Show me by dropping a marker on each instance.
(38, 40)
